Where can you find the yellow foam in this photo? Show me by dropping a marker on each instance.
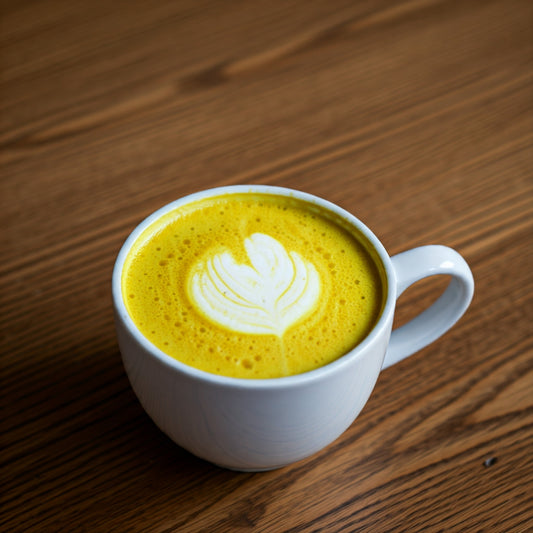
(158, 267)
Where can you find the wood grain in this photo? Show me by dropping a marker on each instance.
(414, 115)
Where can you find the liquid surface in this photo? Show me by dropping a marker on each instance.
(252, 286)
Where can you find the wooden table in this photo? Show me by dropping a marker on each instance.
(414, 115)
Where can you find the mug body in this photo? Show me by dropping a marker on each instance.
(253, 424)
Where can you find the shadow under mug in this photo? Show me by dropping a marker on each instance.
(262, 424)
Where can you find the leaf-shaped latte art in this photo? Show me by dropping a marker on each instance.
(267, 297)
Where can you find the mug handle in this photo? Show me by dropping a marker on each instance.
(412, 266)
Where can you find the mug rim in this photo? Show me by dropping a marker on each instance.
(121, 312)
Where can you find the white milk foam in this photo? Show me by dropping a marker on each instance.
(266, 298)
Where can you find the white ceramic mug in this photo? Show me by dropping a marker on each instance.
(261, 424)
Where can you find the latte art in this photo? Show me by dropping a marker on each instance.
(268, 297)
